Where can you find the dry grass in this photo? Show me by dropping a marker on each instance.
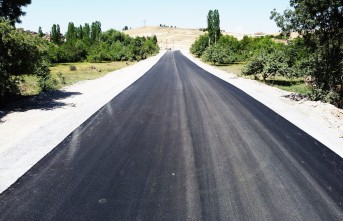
(176, 38)
(71, 73)
(84, 71)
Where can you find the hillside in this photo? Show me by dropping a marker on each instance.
(176, 38)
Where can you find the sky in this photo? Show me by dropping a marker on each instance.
(240, 16)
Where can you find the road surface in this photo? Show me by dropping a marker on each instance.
(181, 144)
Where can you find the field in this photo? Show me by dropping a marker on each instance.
(70, 73)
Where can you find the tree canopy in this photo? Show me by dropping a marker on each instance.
(213, 26)
(12, 9)
(20, 53)
(88, 42)
(320, 23)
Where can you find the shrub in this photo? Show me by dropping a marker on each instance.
(20, 54)
(72, 68)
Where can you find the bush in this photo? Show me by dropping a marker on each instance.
(268, 63)
(72, 68)
(20, 54)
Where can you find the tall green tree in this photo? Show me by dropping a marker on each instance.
(320, 23)
(40, 32)
(71, 33)
(55, 35)
(86, 30)
(95, 31)
(86, 36)
(79, 32)
(213, 26)
(216, 25)
(12, 9)
(210, 26)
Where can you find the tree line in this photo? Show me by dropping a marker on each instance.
(317, 54)
(89, 43)
(229, 49)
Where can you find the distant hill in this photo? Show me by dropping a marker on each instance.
(176, 38)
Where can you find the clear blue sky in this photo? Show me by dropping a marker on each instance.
(244, 16)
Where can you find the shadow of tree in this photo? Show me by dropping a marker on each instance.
(46, 101)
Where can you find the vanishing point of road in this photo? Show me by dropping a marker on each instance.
(181, 144)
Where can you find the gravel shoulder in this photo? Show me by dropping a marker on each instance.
(320, 120)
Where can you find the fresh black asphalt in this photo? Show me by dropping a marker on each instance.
(181, 144)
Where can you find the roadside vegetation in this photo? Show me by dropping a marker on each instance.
(31, 63)
(64, 74)
(89, 43)
(311, 64)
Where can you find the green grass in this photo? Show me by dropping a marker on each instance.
(29, 86)
(296, 88)
(296, 85)
(232, 68)
(84, 71)
(64, 75)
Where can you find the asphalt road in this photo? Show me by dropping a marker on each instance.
(181, 144)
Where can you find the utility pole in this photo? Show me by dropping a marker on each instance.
(144, 22)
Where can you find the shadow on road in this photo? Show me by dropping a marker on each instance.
(46, 101)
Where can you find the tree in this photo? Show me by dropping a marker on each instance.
(55, 35)
(210, 26)
(216, 25)
(79, 33)
(213, 26)
(40, 32)
(20, 53)
(11, 9)
(86, 36)
(71, 33)
(269, 62)
(125, 28)
(320, 23)
(154, 40)
(213, 54)
(230, 49)
(200, 45)
(95, 31)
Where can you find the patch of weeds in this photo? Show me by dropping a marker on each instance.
(72, 68)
